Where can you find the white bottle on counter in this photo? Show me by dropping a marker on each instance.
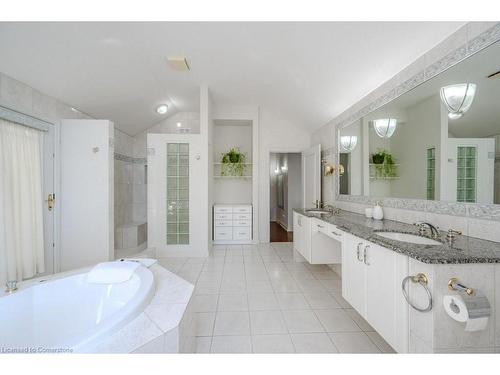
(378, 212)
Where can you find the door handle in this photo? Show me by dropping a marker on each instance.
(358, 252)
(50, 201)
(365, 253)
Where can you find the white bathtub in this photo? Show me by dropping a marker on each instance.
(68, 313)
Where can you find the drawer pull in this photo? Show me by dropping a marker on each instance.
(359, 251)
(336, 234)
(365, 258)
(320, 226)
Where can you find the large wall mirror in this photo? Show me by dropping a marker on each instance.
(439, 141)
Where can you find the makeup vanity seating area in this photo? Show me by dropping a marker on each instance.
(374, 267)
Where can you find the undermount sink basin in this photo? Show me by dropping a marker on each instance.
(406, 237)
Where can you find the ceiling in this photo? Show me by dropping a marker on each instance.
(309, 72)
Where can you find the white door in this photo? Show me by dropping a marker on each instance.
(469, 170)
(177, 195)
(311, 176)
(353, 273)
(49, 197)
(87, 193)
(386, 309)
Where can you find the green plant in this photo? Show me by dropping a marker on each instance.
(233, 163)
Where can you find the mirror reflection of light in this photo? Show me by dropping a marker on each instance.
(348, 142)
(385, 127)
(458, 98)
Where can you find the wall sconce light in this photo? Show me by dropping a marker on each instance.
(457, 98)
(385, 127)
(348, 142)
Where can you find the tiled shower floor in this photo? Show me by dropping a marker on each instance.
(256, 299)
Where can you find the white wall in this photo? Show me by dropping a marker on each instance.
(276, 134)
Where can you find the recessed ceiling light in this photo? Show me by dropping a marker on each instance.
(179, 124)
(178, 63)
(162, 109)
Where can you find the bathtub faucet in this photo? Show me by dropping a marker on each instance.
(11, 286)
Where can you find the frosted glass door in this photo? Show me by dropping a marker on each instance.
(178, 217)
(177, 193)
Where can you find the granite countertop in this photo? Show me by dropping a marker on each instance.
(463, 250)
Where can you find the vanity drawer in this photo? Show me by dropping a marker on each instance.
(242, 209)
(223, 209)
(223, 223)
(242, 216)
(242, 233)
(242, 223)
(223, 217)
(222, 233)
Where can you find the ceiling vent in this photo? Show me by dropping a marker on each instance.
(178, 63)
(495, 75)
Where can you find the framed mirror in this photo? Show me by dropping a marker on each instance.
(439, 141)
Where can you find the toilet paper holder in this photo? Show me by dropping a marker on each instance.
(454, 284)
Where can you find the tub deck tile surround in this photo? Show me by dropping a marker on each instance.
(464, 249)
(165, 326)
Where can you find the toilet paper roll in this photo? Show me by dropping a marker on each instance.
(471, 310)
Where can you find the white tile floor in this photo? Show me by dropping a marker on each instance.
(256, 299)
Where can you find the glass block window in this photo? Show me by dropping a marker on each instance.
(431, 173)
(177, 193)
(466, 174)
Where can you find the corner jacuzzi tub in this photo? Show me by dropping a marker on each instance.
(68, 314)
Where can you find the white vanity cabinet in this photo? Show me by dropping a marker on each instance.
(302, 235)
(317, 241)
(371, 283)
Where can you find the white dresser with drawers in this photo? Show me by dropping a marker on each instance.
(232, 224)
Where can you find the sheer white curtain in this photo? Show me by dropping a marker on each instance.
(21, 202)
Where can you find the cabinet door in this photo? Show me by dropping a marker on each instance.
(385, 309)
(353, 273)
(297, 233)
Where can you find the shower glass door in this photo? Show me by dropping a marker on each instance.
(177, 195)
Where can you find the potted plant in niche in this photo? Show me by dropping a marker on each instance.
(233, 163)
(385, 166)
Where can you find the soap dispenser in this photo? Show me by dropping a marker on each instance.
(378, 212)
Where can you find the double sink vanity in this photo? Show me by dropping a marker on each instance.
(376, 256)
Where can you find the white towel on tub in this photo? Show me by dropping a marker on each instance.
(112, 272)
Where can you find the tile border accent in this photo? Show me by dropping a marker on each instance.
(480, 211)
(130, 159)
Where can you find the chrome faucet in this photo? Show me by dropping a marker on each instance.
(331, 209)
(424, 226)
(11, 286)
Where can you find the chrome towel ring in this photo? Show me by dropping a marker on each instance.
(421, 279)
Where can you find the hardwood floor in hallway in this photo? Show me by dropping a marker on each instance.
(278, 234)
